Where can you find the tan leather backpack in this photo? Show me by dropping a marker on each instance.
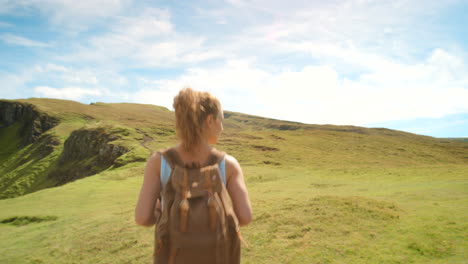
(198, 223)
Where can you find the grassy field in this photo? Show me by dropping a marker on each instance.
(320, 194)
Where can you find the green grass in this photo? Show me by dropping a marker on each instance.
(10, 141)
(304, 215)
(320, 194)
(23, 170)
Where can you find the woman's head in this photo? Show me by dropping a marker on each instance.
(198, 117)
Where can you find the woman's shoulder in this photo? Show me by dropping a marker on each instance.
(230, 159)
(232, 165)
(155, 156)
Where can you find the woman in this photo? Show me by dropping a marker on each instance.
(198, 124)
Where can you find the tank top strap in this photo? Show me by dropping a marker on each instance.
(222, 169)
(165, 172)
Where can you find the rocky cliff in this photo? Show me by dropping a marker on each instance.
(26, 149)
(34, 122)
(31, 160)
(86, 152)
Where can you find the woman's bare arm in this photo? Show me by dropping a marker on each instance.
(238, 191)
(150, 192)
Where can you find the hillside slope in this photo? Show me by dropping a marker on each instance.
(49, 142)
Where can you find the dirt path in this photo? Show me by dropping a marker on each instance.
(146, 139)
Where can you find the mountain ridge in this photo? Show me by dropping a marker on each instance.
(74, 140)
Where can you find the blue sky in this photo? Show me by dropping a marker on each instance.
(399, 64)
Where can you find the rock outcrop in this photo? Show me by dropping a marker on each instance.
(86, 152)
(34, 122)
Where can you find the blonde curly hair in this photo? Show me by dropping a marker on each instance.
(191, 110)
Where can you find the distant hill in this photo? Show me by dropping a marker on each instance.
(457, 139)
(50, 142)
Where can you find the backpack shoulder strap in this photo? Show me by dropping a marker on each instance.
(172, 158)
(218, 157)
(215, 157)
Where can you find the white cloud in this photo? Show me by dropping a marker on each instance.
(67, 75)
(399, 29)
(318, 94)
(71, 93)
(332, 32)
(146, 40)
(152, 22)
(54, 67)
(14, 84)
(21, 41)
(11, 84)
(153, 96)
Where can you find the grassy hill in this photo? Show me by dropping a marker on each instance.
(320, 194)
(458, 139)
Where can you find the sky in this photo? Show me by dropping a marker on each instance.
(400, 64)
